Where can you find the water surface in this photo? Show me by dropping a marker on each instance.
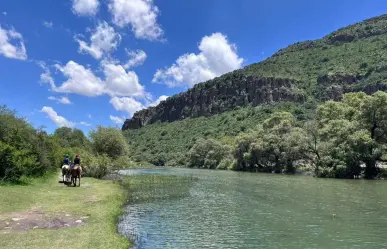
(226, 209)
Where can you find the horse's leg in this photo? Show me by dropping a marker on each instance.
(79, 178)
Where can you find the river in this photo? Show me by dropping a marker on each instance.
(225, 209)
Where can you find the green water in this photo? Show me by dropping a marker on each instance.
(225, 209)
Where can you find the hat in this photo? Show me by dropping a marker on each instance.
(77, 155)
(67, 155)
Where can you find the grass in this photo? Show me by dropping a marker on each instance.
(100, 200)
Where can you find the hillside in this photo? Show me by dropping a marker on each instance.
(294, 79)
(349, 59)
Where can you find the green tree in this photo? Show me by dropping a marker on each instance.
(109, 141)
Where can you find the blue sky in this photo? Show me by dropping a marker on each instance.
(82, 63)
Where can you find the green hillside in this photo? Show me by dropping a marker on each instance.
(351, 59)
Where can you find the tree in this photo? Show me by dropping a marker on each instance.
(207, 153)
(354, 132)
(109, 141)
(71, 137)
(274, 146)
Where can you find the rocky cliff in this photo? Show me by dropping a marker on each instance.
(217, 96)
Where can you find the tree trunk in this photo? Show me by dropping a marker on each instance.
(370, 171)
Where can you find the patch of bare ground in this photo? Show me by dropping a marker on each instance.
(38, 219)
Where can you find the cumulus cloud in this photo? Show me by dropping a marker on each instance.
(126, 104)
(131, 105)
(157, 101)
(62, 100)
(85, 7)
(217, 56)
(58, 120)
(141, 15)
(4, 13)
(136, 58)
(117, 120)
(102, 40)
(122, 83)
(48, 24)
(82, 81)
(12, 44)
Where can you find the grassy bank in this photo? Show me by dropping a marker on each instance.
(46, 214)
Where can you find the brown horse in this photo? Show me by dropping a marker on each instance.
(65, 173)
(76, 172)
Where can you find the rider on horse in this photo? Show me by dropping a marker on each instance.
(77, 160)
(66, 161)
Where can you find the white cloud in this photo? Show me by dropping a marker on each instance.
(85, 7)
(62, 100)
(126, 104)
(102, 41)
(58, 120)
(122, 83)
(85, 123)
(48, 24)
(4, 13)
(82, 81)
(136, 58)
(46, 77)
(157, 101)
(14, 50)
(130, 106)
(141, 15)
(217, 56)
(117, 120)
(89, 116)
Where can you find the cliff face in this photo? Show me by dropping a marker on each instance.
(217, 96)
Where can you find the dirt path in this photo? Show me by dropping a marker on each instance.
(38, 219)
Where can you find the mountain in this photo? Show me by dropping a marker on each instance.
(350, 59)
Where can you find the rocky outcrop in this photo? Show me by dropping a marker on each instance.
(333, 86)
(217, 96)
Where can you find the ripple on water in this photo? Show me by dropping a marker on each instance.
(233, 210)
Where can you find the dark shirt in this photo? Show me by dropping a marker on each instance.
(66, 161)
(77, 161)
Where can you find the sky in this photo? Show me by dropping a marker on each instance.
(83, 63)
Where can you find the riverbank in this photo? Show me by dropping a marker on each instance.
(46, 214)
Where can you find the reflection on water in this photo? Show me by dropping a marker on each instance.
(225, 209)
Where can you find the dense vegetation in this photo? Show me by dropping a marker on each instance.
(335, 141)
(29, 152)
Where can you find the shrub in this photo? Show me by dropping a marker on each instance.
(109, 141)
(97, 166)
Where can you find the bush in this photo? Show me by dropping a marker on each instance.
(97, 166)
(109, 141)
(14, 163)
(226, 163)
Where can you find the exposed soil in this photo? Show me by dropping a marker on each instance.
(37, 219)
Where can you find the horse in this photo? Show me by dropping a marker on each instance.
(65, 173)
(76, 172)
